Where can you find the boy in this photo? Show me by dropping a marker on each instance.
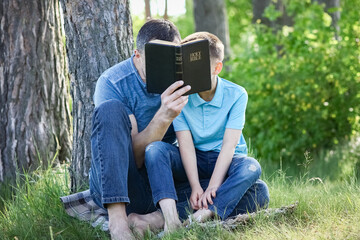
(212, 147)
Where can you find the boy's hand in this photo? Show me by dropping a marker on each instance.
(195, 197)
(207, 197)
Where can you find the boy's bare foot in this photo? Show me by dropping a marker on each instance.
(171, 217)
(201, 215)
(152, 221)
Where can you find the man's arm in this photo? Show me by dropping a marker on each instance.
(231, 138)
(172, 103)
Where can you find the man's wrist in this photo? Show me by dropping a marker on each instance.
(163, 118)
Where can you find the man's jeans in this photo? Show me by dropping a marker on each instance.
(114, 176)
(241, 191)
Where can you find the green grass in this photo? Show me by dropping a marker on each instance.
(326, 210)
(36, 212)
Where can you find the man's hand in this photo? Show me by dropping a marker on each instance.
(196, 194)
(207, 196)
(173, 101)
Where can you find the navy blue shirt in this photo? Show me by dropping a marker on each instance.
(123, 82)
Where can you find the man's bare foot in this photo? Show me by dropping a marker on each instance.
(118, 222)
(120, 230)
(152, 221)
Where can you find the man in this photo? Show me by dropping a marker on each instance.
(126, 119)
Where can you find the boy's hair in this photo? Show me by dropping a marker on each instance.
(161, 29)
(216, 47)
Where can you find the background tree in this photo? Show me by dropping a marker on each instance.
(211, 16)
(333, 8)
(278, 20)
(98, 35)
(34, 111)
(303, 97)
(147, 9)
(166, 16)
(281, 18)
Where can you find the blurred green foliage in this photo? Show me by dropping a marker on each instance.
(303, 81)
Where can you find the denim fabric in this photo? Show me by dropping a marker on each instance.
(114, 176)
(241, 191)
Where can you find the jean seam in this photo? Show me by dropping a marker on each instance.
(115, 200)
(163, 195)
(98, 142)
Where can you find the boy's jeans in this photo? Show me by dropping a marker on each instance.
(114, 176)
(241, 191)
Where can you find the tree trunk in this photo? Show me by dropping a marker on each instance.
(98, 35)
(34, 111)
(147, 9)
(259, 7)
(166, 10)
(334, 15)
(211, 16)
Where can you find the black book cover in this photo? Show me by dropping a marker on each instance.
(167, 62)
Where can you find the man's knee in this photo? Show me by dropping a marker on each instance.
(111, 111)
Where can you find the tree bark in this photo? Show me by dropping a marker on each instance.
(34, 109)
(147, 9)
(211, 16)
(98, 35)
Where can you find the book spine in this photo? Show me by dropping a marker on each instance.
(178, 64)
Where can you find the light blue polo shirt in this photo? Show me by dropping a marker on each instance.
(207, 121)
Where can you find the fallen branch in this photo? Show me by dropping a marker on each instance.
(243, 219)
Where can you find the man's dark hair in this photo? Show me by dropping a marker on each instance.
(161, 29)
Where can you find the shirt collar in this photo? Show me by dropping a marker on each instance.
(217, 99)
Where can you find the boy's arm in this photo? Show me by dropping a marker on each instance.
(231, 139)
(188, 157)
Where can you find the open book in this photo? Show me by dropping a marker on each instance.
(168, 62)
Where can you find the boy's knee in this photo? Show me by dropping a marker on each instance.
(254, 166)
(247, 167)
